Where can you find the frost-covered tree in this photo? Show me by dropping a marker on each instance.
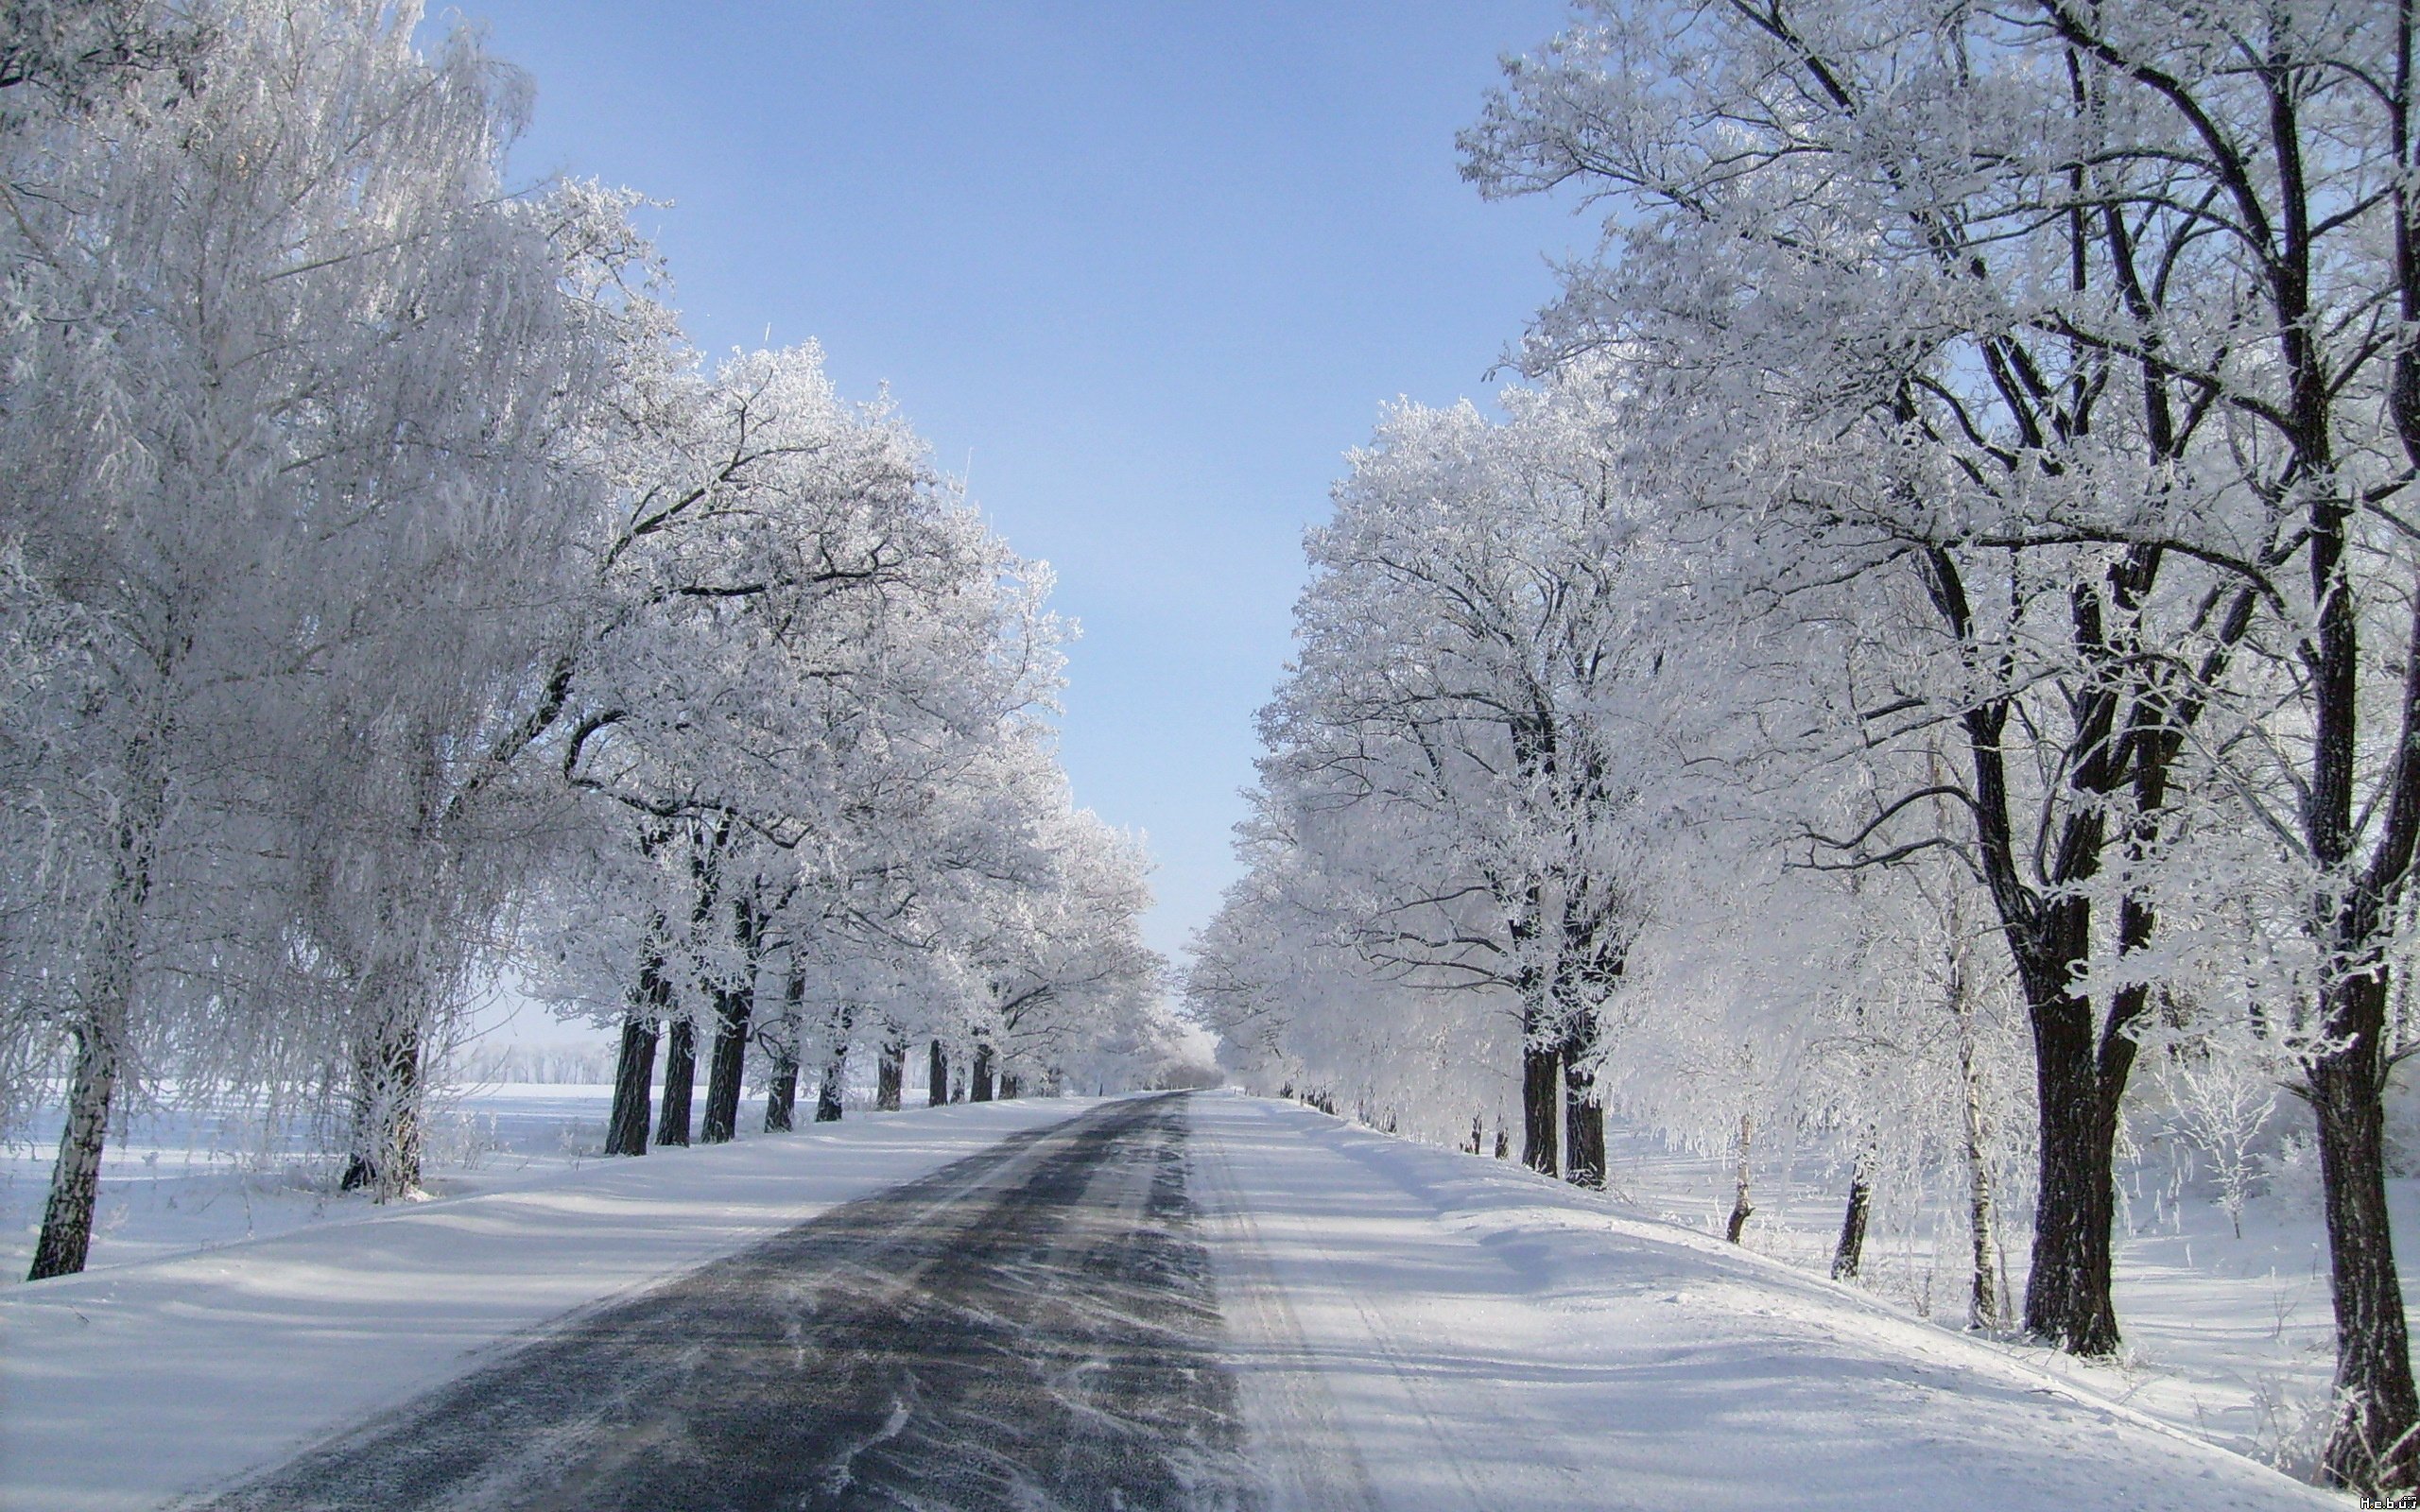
(2070, 342)
(62, 55)
(283, 370)
(1468, 765)
(808, 646)
(389, 600)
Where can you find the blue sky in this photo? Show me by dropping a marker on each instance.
(1150, 267)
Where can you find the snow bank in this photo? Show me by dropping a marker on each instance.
(125, 1387)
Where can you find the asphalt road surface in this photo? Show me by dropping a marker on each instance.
(1034, 1326)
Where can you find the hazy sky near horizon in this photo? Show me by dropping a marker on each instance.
(1144, 272)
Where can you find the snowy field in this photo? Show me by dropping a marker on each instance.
(1419, 1328)
(2229, 1339)
(180, 1181)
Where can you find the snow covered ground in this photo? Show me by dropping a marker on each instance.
(176, 1182)
(1427, 1329)
(2229, 1337)
(134, 1383)
(1418, 1329)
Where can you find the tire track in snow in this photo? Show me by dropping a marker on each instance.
(1304, 1458)
(1360, 1409)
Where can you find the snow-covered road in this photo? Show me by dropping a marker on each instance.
(131, 1384)
(1407, 1328)
(1031, 1327)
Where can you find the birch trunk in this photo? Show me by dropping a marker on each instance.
(104, 1020)
(1741, 1210)
(1848, 1255)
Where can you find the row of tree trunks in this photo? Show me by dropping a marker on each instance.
(644, 1032)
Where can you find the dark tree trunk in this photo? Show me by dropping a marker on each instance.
(781, 1090)
(1008, 1086)
(1541, 1093)
(2372, 1444)
(833, 1083)
(1584, 1121)
(724, 1073)
(780, 1094)
(634, 1070)
(2068, 1299)
(978, 1087)
(2080, 1071)
(385, 1159)
(680, 1073)
(1849, 1254)
(937, 1077)
(889, 1074)
(1594, 949)
(633, 1089)
(734, 1006)
(1541, 1058)
(681, 1051)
